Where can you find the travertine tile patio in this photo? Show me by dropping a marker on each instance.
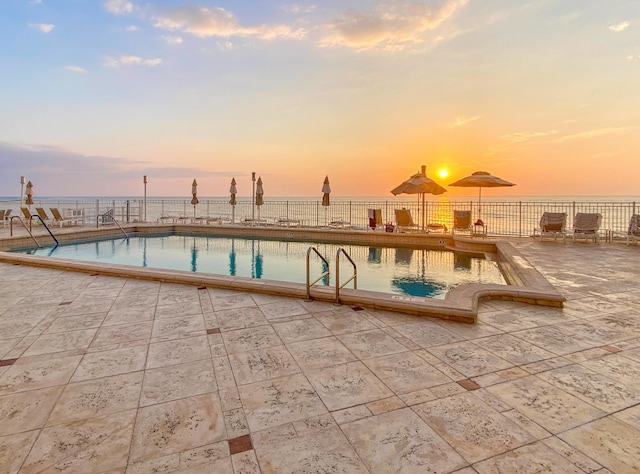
(105, 374)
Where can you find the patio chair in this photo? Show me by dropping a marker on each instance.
(552, 224)
(586, 226)
(26, 213)
(4, 216)
(375, 218)
(633, 233)
(57, 217)
(404, 221)
(43, 215)
(462, 222)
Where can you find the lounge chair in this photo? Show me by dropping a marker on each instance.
(553, 224)
(4, 216)
(586, 226)
(57, 217)
(404, 221)
(633, 231)
(26, 213)
(43, 215)
(462, 222)
(375, 218)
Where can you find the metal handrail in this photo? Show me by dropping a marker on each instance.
(353, 277)
(25, 227)
(36, 216)
(325, 274)
(109, 214)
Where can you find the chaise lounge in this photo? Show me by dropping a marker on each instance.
(553, 224)
(586, 226)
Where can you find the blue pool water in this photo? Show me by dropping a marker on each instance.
(428, 273)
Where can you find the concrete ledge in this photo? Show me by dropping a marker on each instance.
(526, 284)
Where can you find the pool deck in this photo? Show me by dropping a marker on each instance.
(112, 375)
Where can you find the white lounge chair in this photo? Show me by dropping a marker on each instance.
(553, 224)
(404, 221)
(586, 226)
(633, 232)
(462, 221)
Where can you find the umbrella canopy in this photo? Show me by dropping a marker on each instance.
(29, 199)
(481, 179)
(419, 184)
(233, 190)
(326, 190)
(194, 192)
(259, 192)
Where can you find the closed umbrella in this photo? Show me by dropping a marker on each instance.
(29, 199)
(194, 192)
(259, 194)
(481, 179)
(419, 184)
(326, 190)
(233, 190)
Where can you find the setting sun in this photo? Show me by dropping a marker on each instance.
(443, 173)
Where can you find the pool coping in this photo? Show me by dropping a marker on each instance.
(526, 284)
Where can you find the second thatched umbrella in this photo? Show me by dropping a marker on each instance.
(194, 192)
(419, 184)
(233, 191)
(29, 199)
(326, 190)
(481, 179)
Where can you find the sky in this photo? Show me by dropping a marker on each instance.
(96, 94)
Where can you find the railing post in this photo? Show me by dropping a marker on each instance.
(520, 218)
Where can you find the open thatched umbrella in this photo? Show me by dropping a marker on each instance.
(481, 179)
(419, 184)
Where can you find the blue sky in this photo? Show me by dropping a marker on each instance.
(95, 94)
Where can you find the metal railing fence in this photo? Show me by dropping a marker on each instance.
(508, 218)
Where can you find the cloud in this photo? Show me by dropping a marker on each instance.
(172, 39)
(76, 69)
(119, 7)
(519, 137)
(595, 133)
(620, 26)
(42, 27)
(132, 28)
(297, 9)
(460, 121)
(124, 60)
(392, 26)
(205, 22)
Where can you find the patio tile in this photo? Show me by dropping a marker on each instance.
(399, 441)
(26, 411)
(318, 353)
(514, 350)
(250, 339)
(301, 330)
(97, 397)
(469, 359)
(427, 334)
(123, 334)
(93, 445)
(262, 364)
(164, 354)
(34, 373)
(165, 384)
(551, 340)
(368, 344)
(545, 404)
(278, 401)
(14, 449)
(282, 309)
(631, 416)
(212, 458)
(234, 300)
(314, 445)
(178, 328)
(531, 459)
(176, 426)
(347, 385)
(186, 308)
(237, 318)
(593, 387)
(60, 342)
(610, 442)
(344, 320)
(406, 372)
(131, 313)
(471, 427)
(112, 362)
(71, 323)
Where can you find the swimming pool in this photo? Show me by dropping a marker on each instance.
(415, 272)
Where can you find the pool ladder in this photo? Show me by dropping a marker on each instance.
(108, 217)
(29, 229)
(326, 273)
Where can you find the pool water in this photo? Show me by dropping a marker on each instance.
(414, 272)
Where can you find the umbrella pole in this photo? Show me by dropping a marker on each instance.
(424, 216)
(479, 202)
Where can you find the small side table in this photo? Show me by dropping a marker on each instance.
(479, 230)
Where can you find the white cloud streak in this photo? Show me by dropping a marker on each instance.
(519, 137)
(43, 27)
(119, 7)
(620, 26)
(595, 133)
(461, 121)
(127, 60)
(172, 39)
(132, 28)
(76, 69)
(298, 9)
(393, 26)
(205, 22)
